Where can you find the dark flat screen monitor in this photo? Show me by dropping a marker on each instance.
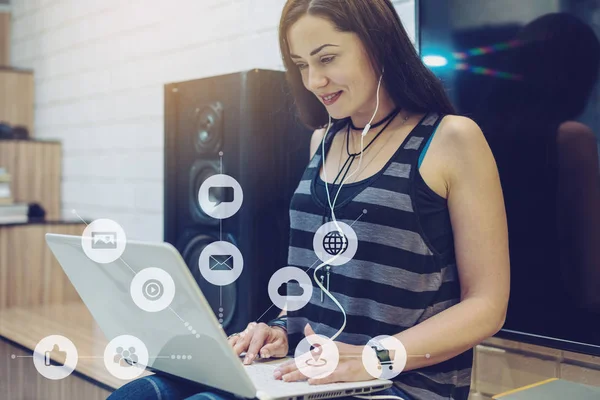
(526, 71)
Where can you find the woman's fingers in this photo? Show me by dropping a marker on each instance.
(260, 334)
(233, 340)
(285, 368)
(293, 376)
(275, 349)
(244, 339)
(276, 344)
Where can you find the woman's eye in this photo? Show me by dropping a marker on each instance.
(325, 60)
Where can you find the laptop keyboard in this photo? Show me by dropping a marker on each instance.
(261, 374)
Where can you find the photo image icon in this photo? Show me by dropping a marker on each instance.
(104, 240)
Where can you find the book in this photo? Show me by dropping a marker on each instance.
(4, 189)
(5, 193)
(9, 210)
(13, 219)
(552, 389)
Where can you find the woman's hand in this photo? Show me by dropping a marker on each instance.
(350, 367)
(259, 338)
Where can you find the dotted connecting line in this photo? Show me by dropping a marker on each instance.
(191, 329)
(181, 357)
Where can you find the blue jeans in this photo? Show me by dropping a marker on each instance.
(160, 387)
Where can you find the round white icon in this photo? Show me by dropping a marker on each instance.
(221, 263)
(334, 247)
(126, 357)
(103, 241)
(152, 289)
(220, 196)
(55, 357)
(392, 357)
(316, 356)
(290, 288)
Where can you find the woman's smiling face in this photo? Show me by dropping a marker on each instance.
(334, 63)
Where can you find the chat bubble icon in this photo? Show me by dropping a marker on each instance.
(220, 194)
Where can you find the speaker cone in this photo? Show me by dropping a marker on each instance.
(208, 124)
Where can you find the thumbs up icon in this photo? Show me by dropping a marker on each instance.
(59, 358)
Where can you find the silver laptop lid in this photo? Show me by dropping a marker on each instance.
(186, 327)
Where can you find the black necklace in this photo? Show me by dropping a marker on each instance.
(389, 119)
(378, 124)
(351, 157)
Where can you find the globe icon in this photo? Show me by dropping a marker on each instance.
(335, 243)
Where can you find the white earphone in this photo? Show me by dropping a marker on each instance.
(332, 205)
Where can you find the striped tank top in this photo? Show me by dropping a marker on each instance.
(396, 278)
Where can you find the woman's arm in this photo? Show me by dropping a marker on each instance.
(478, 217)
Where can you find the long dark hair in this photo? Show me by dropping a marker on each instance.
(408, 81)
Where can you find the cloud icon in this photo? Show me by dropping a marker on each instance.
(290, 288)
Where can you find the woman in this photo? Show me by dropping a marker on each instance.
(431, 266)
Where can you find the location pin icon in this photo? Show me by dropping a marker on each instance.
(315, 351)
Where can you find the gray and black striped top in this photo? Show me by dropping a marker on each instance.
(396, 279)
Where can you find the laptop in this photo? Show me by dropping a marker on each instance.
(186, 327)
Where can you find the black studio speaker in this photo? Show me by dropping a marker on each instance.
(250, 119)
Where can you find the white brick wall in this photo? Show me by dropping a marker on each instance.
(100, 67)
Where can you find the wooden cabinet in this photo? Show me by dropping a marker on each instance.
(29, 272)
(36, 170)
(4, 38)
(16, 97)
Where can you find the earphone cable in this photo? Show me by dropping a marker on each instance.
(344, 239)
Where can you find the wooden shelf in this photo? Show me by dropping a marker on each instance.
(36, 170)
(17, 97)
(4, 37)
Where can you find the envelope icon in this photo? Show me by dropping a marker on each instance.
(220, 262)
